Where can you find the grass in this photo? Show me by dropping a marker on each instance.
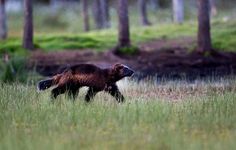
(164, 116)
(224, 36)
(15, 70)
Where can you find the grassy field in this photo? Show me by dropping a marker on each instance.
(173, 115)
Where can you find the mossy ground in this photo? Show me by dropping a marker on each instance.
(223, 37)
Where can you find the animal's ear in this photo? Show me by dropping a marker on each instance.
(117, 67)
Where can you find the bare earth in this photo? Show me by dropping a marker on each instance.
(162, 58)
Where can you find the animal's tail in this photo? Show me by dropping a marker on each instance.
(45, 84)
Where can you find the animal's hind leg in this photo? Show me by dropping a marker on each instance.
(90, 94)
(57, 91)
(73, 93)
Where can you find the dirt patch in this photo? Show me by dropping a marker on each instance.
(51, 63)
(161, 58)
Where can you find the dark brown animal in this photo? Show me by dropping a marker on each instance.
(97, 79)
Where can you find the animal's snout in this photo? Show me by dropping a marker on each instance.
(128, 72)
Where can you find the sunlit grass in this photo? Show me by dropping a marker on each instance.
(198, 116)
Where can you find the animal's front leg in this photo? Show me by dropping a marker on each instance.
(114, 91)
(90, 94)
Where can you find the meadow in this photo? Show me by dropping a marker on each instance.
(168, 115)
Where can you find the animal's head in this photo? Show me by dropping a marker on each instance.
(120, 71)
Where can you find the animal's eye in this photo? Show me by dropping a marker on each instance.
(119, 68)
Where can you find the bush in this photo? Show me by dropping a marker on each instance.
(131, 50)
(13, 70)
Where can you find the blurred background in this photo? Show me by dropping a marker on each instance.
(65, 16)
(163, 33)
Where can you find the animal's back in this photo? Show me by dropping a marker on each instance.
(84, 69)
(88, 75)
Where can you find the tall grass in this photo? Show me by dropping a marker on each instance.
(165, 116)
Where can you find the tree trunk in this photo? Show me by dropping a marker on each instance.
(97, 14)
(28, 25)
(104, 4)
(178, 11)
(3, 20)
(204, 37)
(85, 15)
(123, 17)
(142, 4)
(107, 13)
(213, 8)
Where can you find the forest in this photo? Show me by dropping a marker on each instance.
(181, 95)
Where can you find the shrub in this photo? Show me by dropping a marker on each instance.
(131, 50)
(13, 70)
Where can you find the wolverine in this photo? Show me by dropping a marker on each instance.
(89, 75)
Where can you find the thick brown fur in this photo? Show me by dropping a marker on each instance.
(97, 79)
